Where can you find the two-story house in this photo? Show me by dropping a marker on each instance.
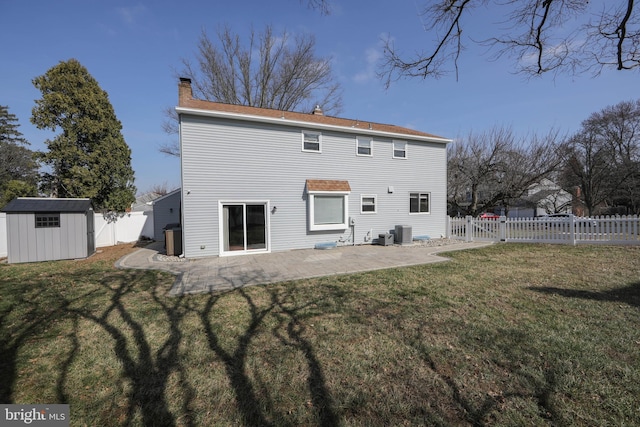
(259, 180)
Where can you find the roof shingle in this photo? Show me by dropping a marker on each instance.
(41, 204)
(186, 100)
(327, 185)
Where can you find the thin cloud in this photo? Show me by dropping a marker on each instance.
(129, 14)
(371, 56)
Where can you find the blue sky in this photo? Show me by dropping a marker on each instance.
(134, 48)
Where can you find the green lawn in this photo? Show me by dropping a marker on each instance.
(504, 335)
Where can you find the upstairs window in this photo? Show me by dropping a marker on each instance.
(419, 203)
(312, 141)
(399, 150)
(47, 220)
(364, 146)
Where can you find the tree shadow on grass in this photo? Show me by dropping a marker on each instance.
(147, 371)
(626, 295)
(294, 318)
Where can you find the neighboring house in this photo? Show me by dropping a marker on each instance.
(144, 202)
(46, 229)
(259, 180)
(166, 211)
(543, 198)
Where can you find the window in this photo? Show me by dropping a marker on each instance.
(47, 220)
(364, 146)
(419, 203)
(368, 204)
(399, 150)
(328, 211)
(311, 141)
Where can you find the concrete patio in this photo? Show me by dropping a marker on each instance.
(223, 273)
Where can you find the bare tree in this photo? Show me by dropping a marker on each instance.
(496, 167)
(603, 158)
(276, 72)
(570, 36)
(587, 171)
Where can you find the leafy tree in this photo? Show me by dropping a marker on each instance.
(268, 71)
(494, 168)
(18, 167)
(90, 157)
(570, 36)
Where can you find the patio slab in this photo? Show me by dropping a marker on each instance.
(223, 273)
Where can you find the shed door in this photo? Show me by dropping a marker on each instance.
(91, 233)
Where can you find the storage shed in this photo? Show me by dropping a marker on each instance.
(47, 229)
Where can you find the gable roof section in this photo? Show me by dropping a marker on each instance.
(169, 194)
(41, 204)
(328, 185)
(188, 105)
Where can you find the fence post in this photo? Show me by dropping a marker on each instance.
(572, 229)
(503, 228)
(468, 229)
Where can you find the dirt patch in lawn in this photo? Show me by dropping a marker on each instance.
(112, 253)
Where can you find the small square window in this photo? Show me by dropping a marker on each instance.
(368, 204)
(364, 146)
(419, 203)
(312, 141)
(399, 150)
(47, 220)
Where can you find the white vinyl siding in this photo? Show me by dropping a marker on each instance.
(364, 146)
(272, 166)
(399, 149)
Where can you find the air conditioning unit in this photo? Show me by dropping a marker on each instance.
(385, 239)
(404, 235)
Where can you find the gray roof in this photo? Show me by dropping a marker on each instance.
(40, 204)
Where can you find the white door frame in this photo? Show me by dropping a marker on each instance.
(221, 225)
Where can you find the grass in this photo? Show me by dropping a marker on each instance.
(505, 335)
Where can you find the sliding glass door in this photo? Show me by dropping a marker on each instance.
(244, 227)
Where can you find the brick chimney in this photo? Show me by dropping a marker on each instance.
(184, 91)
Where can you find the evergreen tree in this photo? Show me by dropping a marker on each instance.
(90, 158)
(18, 168)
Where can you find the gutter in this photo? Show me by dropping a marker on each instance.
(307, 125)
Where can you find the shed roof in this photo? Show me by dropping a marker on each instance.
(41, 204)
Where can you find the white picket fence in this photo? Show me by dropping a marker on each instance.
(565, 230)
(127, 228)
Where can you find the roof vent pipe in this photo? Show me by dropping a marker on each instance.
(317, 111)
